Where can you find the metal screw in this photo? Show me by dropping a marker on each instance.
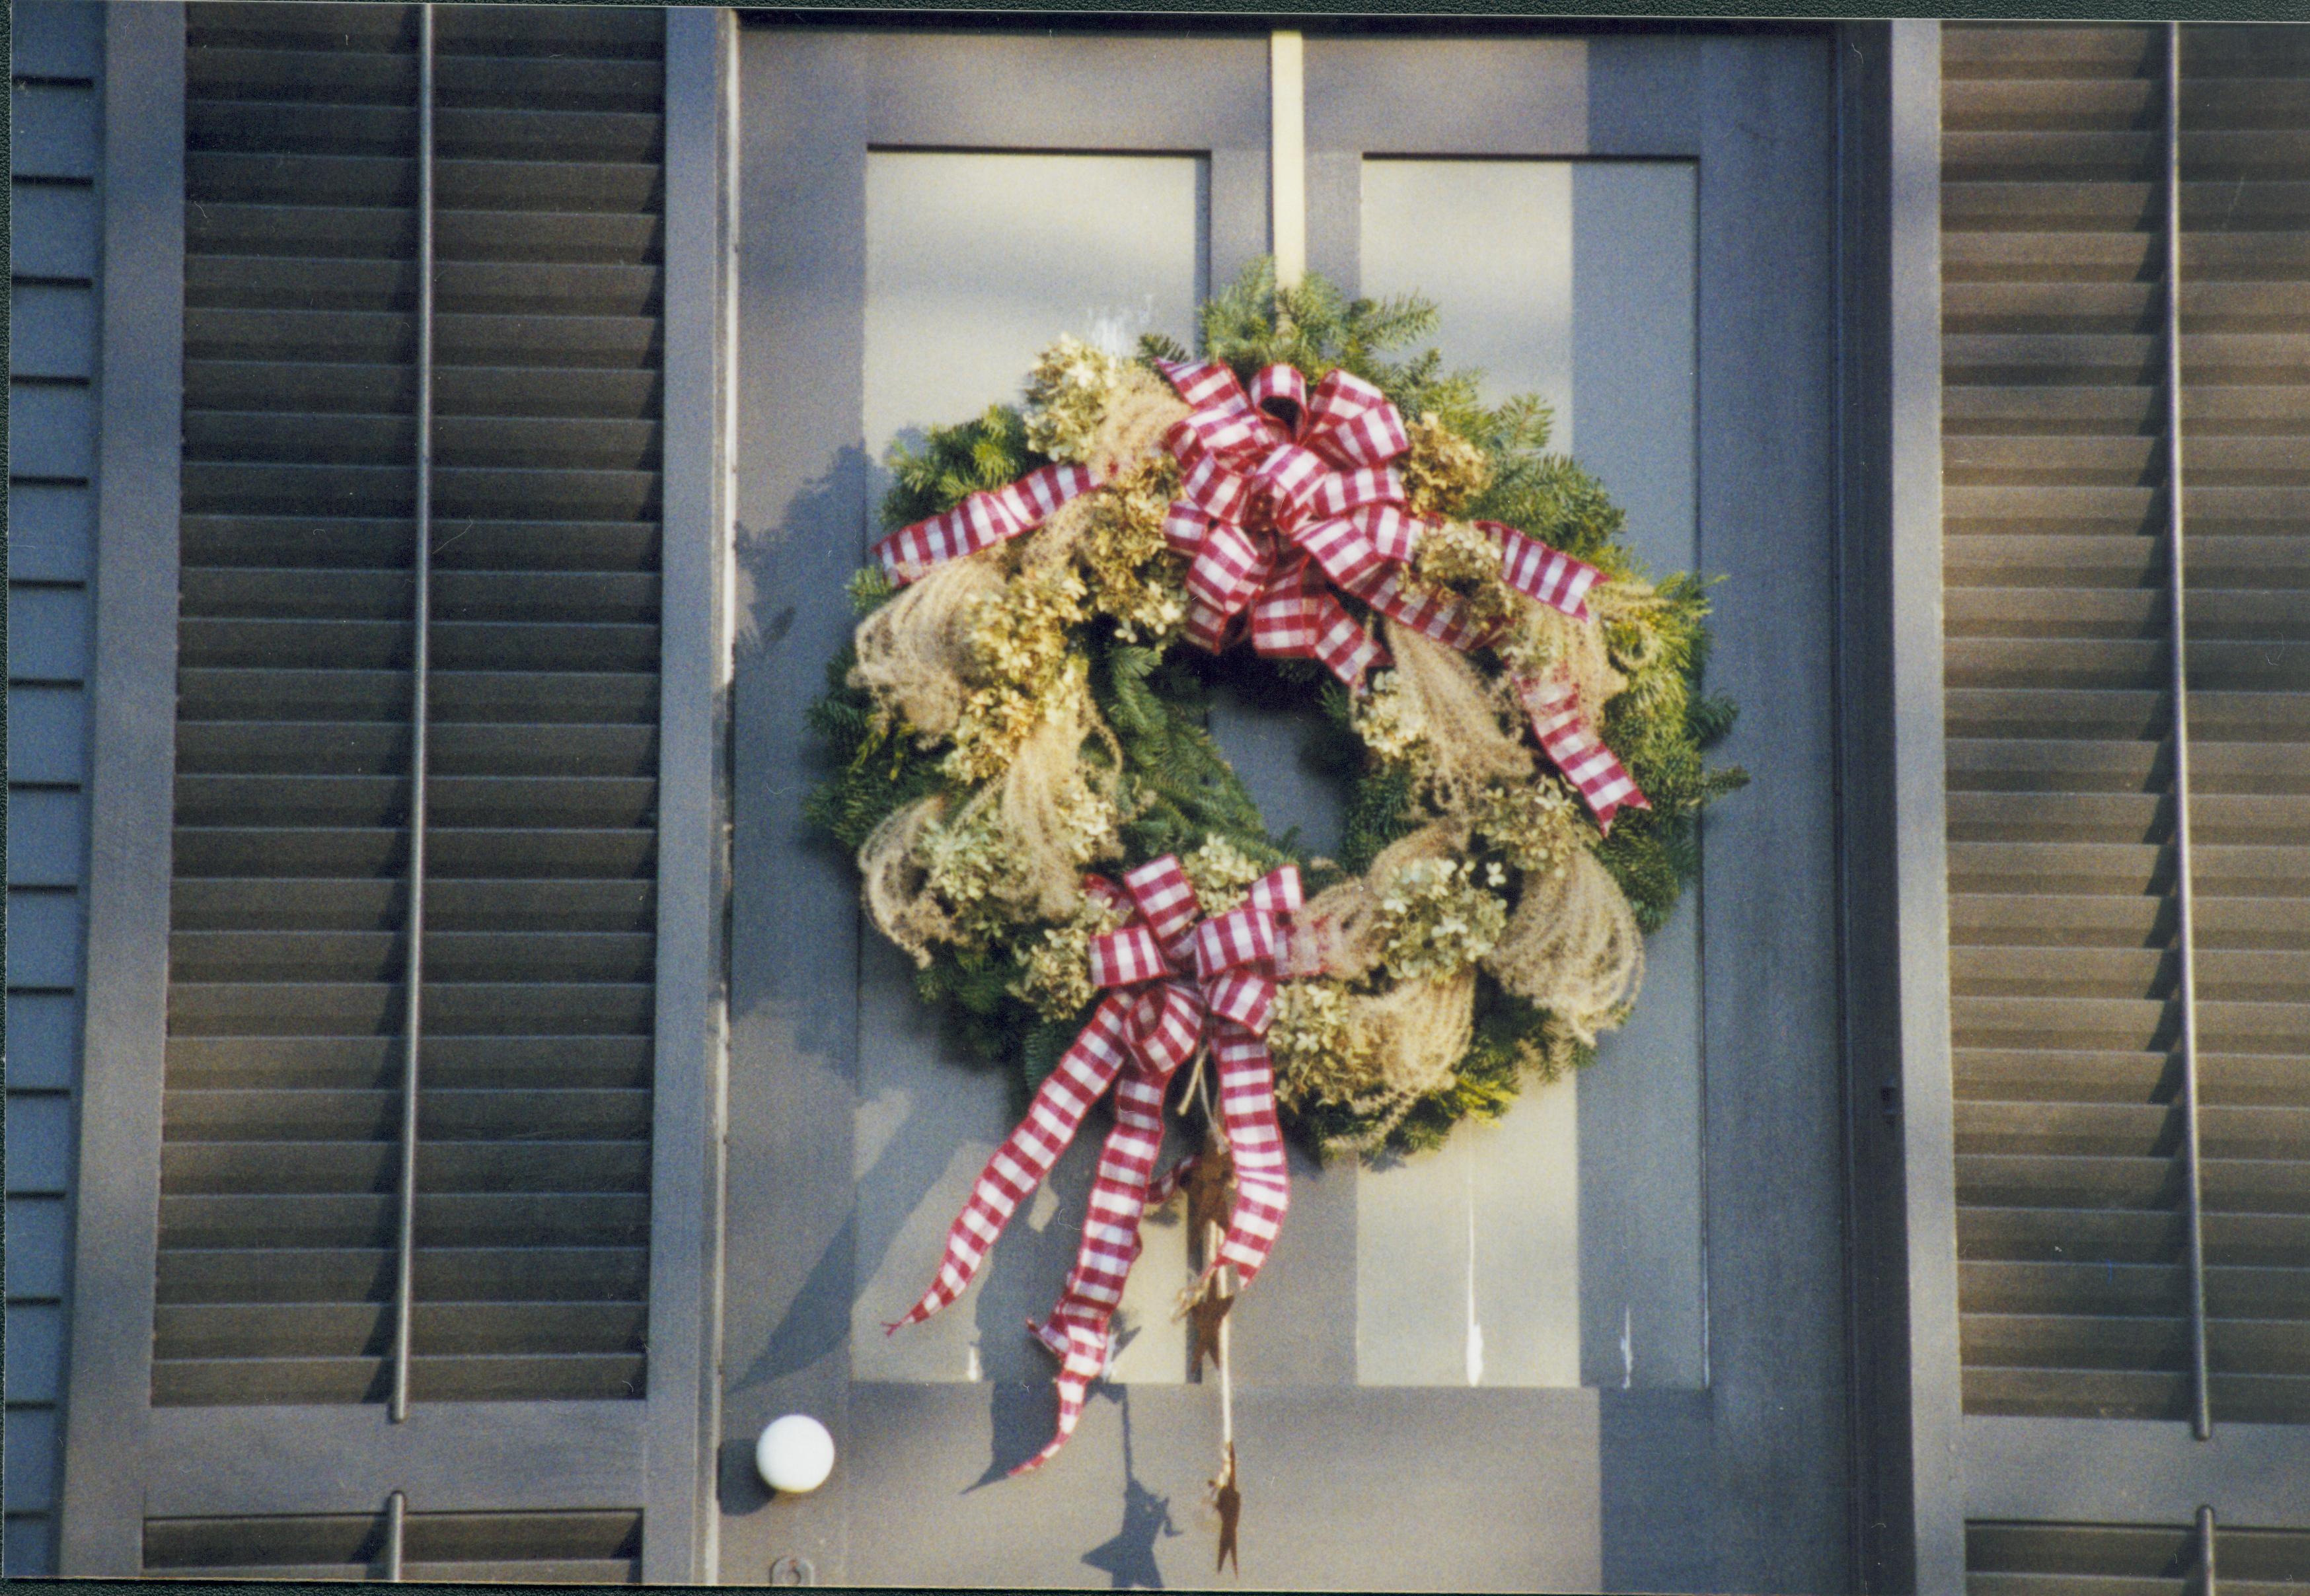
(791, 1570)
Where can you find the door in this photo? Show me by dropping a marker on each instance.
(1601, 1344)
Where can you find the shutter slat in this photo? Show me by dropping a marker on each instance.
(325, 1167)
(194, 1331)
(585, 1547)
(262, 539)
(513, 1063)
(292, 747)
(215, 388)
(290, 229)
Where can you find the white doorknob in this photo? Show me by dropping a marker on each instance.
(795, 1454)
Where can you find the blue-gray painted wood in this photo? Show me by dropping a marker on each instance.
(52, 230)
(39, 1143)
(43, 1047)
(132, 730)
(48, 735)
(36, 1352)
(51, 532)
(49, 40)
(1927, 1108)
(50, 429)
(1748, 1486)
(30, 1458)
(1909, 1527)
(44, 938)
(31, 1545)
(814, 102)
(1752, 1498)
(692, 882)
(55, 157)
(54, 130)
(48, 840)
(52, 333)
(36, 1249)
(48, 634)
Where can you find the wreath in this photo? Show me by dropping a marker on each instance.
(1020, 760)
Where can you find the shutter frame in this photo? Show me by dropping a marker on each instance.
(2080, 1439)
(651, 1455)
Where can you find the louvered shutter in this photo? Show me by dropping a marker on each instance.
(291, 898)
(545, 1430)
(2074, 1275)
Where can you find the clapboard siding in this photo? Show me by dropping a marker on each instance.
(54, 152)
(2064, 982)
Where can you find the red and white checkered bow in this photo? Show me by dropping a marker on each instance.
(1286, 496)
(1173, 979)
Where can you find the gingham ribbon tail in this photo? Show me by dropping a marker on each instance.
(981, 521)
(1173, 981)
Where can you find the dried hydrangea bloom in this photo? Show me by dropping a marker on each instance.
(1443, 471)
(1089, 820)
(1130, 568)
(1056, 981)
(1221, 873)
(1438, 916)
(1020, 648)
(1318, 1050)
(1461, 557)
(973, 873)
(1534, 827)
(1067, 397)
(1388, 721)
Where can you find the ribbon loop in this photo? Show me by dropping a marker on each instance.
(1165, 1025)
(1281, 394)
(1165, 896)
(1125, 956)
(1242, 936)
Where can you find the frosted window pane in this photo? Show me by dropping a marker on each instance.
(1564, 1246)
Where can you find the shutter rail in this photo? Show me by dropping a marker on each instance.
(420, 582)
(2202, 1418)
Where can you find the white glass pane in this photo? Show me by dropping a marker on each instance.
(1564, 1246)
(973, 264)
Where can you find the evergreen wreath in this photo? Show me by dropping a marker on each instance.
(1036, 709)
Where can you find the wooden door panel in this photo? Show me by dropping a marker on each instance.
(1700, 1202)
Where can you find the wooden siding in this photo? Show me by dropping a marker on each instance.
(57, 48)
